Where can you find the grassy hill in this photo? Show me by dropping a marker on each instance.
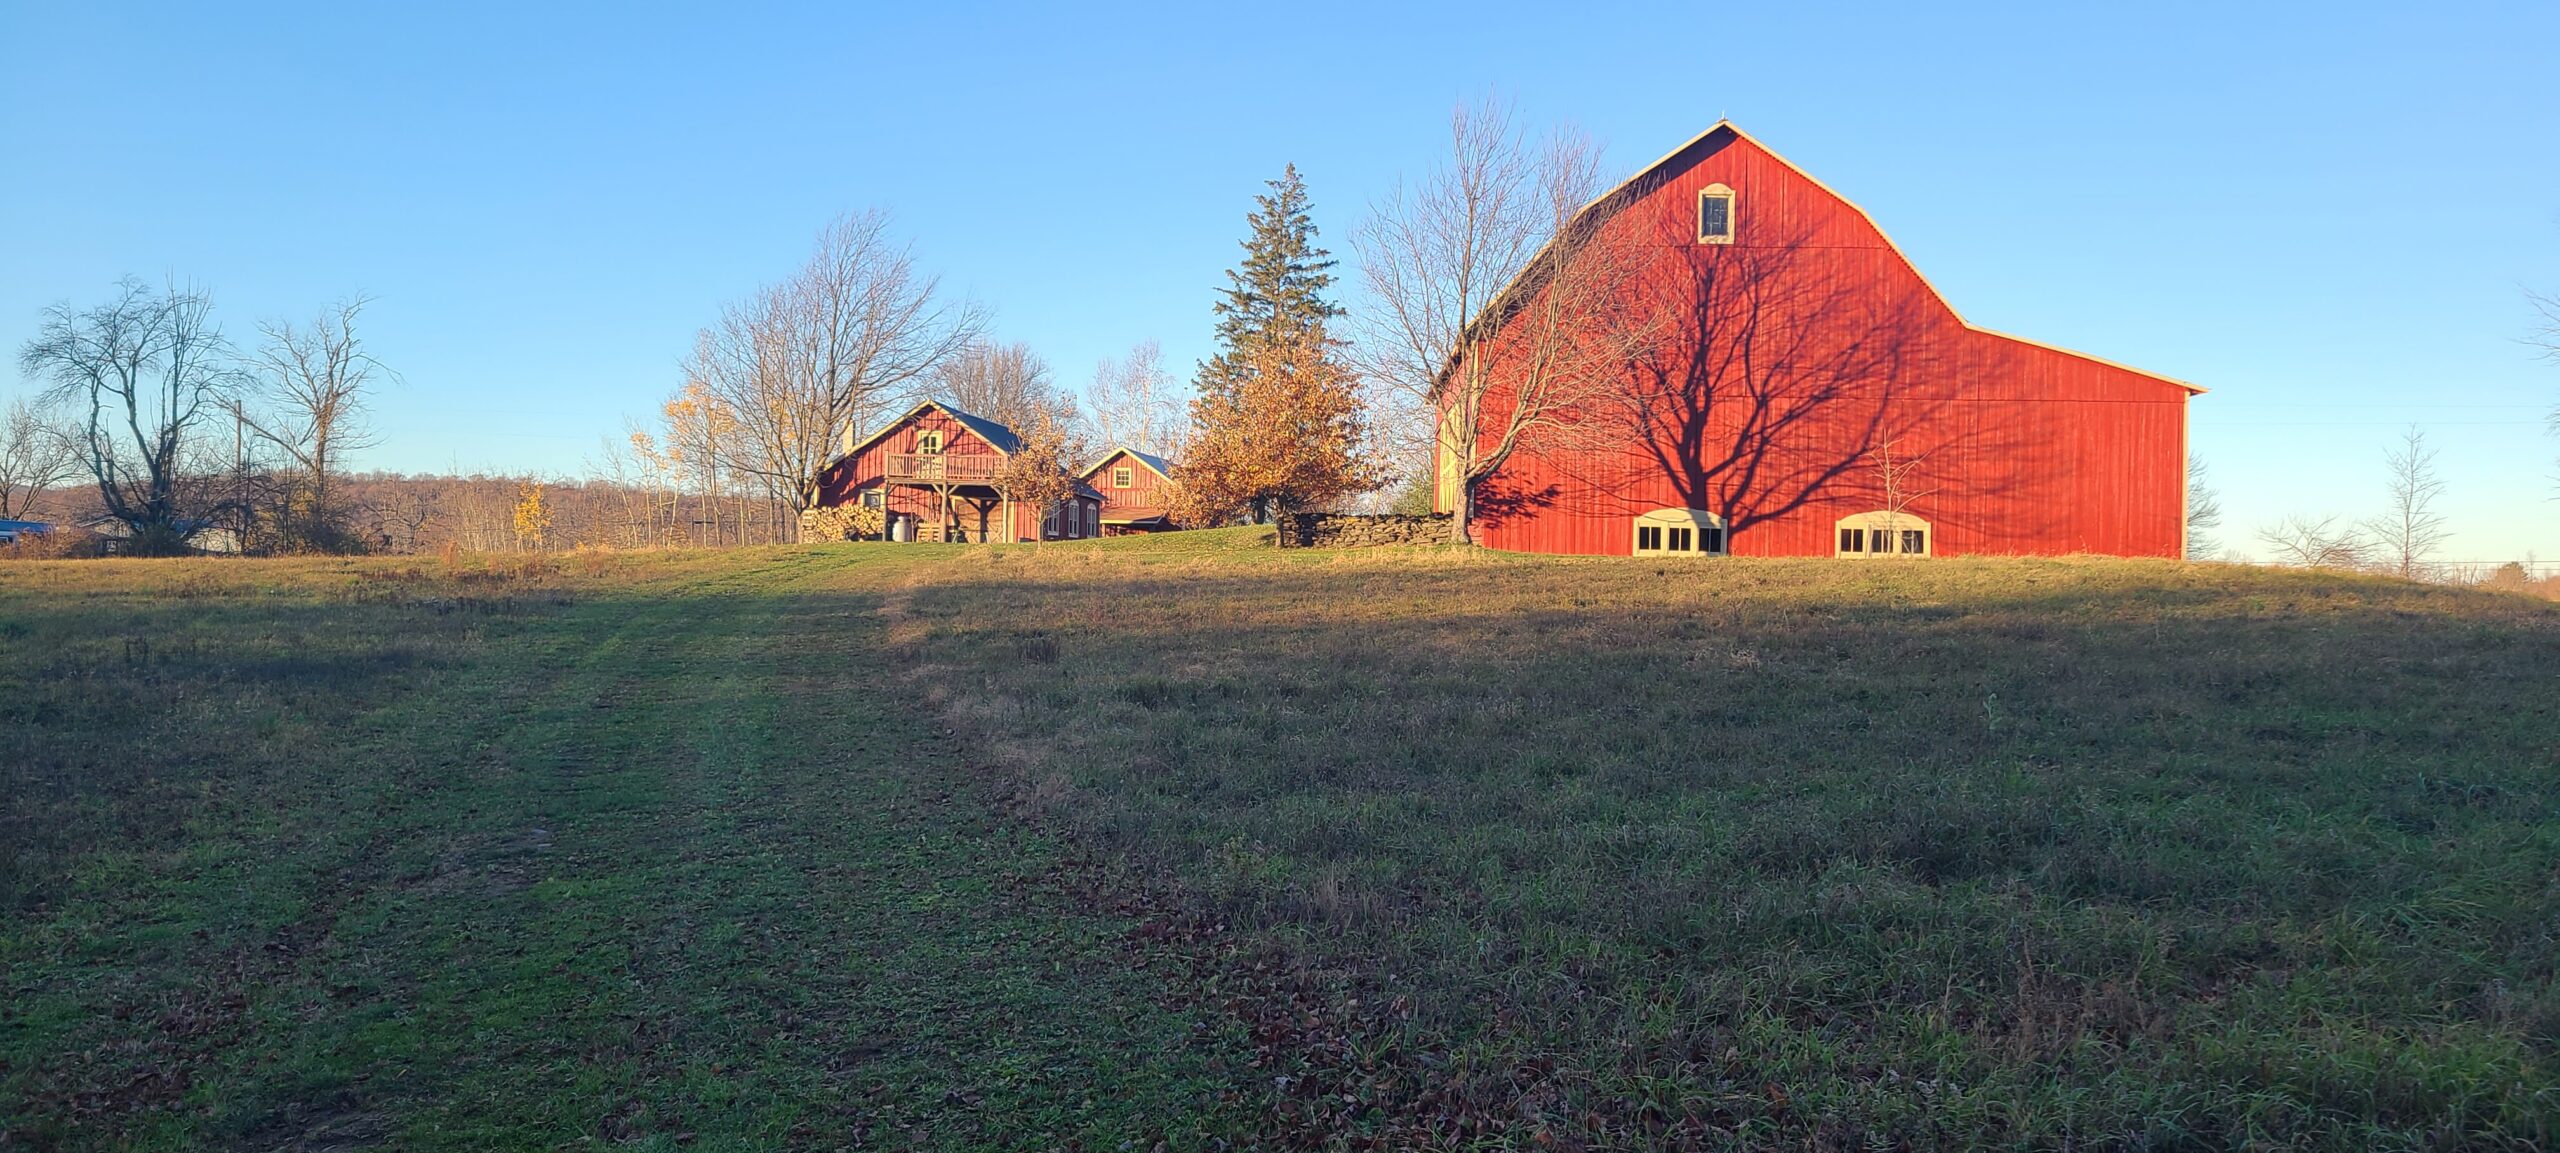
(1172, 838)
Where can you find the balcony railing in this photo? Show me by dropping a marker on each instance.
(943, 468)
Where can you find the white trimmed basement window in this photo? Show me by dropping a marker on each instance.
(1875, 534)
(1715, 214)
(1679, 532)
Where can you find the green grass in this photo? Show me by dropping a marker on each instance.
(1165, 838)
(645, 857)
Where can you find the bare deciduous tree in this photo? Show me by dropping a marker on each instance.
(1133, 402)
(1490, 309)
(34, 456)
(138, 373)
(803, 366)
(2204, 510)
(2548, 336)
(1901, 479)
(316, 377)
(2315, 542)
(2410, 530)
(1005, 382)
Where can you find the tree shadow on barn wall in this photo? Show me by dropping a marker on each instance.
(1774, 376)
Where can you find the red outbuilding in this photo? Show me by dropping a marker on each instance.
(1794, 387)
(1137, 491)
(934, 473)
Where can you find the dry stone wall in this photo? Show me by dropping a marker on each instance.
(1344, 530)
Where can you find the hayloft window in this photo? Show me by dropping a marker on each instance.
(1715, 215)
(1123, 476)
(1679, 532)
(929, 441)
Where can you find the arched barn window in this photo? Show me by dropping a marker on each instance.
(1715, 214)
(1679, 532)
(1873, 534)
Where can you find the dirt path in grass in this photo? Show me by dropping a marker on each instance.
(667, 864)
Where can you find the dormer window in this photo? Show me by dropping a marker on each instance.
(929, 441)
(1715, 215)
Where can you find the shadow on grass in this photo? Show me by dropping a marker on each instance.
(1939, 854)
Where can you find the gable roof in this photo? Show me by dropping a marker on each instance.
(1156, 464)
(997, 435)
(1609, 204)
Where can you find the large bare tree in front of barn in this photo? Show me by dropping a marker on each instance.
(315, 379)
(35, 455)
(807, 364)
(1491, 309)
(139, 374)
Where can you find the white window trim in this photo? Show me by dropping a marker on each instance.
(1124, 476)
(1699, 521)
(1732, 214)
(1894, 522)
(929, 442)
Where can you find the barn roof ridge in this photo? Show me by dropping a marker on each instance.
(1626, 192)
(1156, 464)
(986, 429)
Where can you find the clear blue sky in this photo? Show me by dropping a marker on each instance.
(2326, 213)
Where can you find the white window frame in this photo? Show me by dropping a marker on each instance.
(1897, 523)
(929, 442)
(1668, 522)
(1732, 214)
(1124, 476)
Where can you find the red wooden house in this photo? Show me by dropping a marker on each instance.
(1798, 389)
(933, 473)
(1137, 491)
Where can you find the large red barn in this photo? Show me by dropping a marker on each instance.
(1800, 390)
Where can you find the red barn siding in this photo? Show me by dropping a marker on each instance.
(2028, 449)
(844, 481)
(1148, 494)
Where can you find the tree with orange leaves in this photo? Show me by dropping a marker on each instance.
(1289, 434)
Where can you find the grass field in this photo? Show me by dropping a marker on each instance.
(1166, 840)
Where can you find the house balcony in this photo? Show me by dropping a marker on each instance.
(942, 468)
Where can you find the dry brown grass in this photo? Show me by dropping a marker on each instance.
(1944, 854)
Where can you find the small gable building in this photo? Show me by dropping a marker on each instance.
(1137, 491)
(935, 473)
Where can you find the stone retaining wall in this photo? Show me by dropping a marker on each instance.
(1344, 530)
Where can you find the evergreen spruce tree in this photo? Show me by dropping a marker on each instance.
(1278, 292)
